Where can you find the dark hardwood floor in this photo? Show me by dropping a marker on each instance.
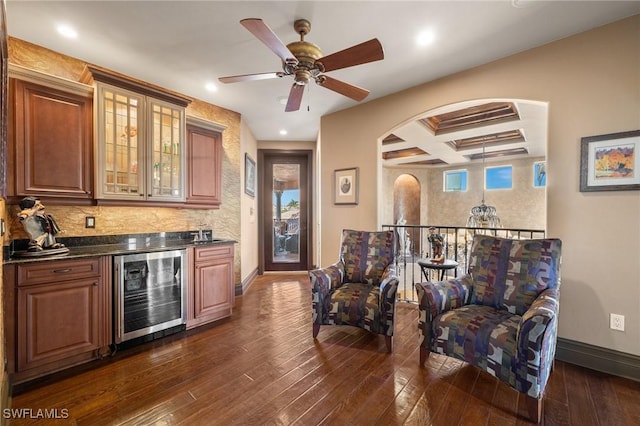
(261, 366)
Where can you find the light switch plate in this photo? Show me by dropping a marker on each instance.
(2, 228)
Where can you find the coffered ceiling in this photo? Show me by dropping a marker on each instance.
(470, 131)
(186, 46)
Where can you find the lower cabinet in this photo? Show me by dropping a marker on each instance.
(59, 312)
(62, 315)
(212, 292)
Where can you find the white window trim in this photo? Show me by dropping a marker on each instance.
(444, 179)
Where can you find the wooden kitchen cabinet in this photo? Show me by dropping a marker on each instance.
(212, 294)
(51, 142)
(204, 163)
(62, 315)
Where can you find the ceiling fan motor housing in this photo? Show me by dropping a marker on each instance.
(303, 76)
(305, 52)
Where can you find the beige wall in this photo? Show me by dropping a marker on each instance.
(522, 207)
(225, 222)
(591, 82)
(248, 208)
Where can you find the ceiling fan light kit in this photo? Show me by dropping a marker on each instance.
(305, 62)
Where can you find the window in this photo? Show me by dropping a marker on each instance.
(500, 177)
(539, 174)
(455, 180)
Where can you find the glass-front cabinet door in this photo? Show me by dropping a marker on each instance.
(167, 150)
(120, 131)
(140, 147)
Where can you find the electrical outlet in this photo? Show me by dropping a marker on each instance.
(616, 322)
(89, 222)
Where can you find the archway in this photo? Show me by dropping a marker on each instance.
(450, 137)
(406, 211)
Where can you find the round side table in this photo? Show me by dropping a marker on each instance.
(426, 264)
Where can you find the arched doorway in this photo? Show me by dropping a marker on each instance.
(406, 211)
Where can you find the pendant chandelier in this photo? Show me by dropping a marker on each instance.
(483, 216)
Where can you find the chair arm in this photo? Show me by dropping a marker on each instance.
(388, 291)
(536, 340)
(436, 298)
(323, 281)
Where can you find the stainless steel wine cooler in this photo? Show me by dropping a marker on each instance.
(149, 293)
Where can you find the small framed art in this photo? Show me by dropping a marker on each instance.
(249, 175)
(345, 183)
(610, 162)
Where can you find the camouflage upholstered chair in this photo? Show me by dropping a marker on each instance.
(360, 288)
(502, 317)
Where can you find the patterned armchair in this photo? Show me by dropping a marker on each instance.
(502, 317)
(360, 288)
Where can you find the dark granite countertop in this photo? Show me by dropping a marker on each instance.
(111, 245)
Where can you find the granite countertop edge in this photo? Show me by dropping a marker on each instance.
(129, 244)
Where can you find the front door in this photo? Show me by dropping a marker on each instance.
(285, 210)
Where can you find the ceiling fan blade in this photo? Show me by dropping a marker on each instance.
(295, 98)
(349, 90)
(251, 77)
(263, 33)
(362, 53)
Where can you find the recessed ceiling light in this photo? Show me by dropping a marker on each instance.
(211, 87)
(282, 100)
(67, 31)
(425, 38)
(283, 132)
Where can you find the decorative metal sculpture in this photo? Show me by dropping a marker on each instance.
(41, 227)
(436, 241)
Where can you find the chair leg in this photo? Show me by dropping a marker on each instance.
(534, 407)
(424, 354)
(389, 341)
(316, 330)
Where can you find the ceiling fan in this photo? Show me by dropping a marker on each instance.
(305, 62)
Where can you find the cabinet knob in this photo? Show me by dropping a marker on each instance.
(95, 284)
(62, 271)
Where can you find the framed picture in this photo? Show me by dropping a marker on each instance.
(610, 162)
(345, 183)
(249, 175)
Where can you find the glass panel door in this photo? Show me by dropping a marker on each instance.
(122, 162)
(141, 150)
(286, 213)
(167, 151)
(285, 207)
